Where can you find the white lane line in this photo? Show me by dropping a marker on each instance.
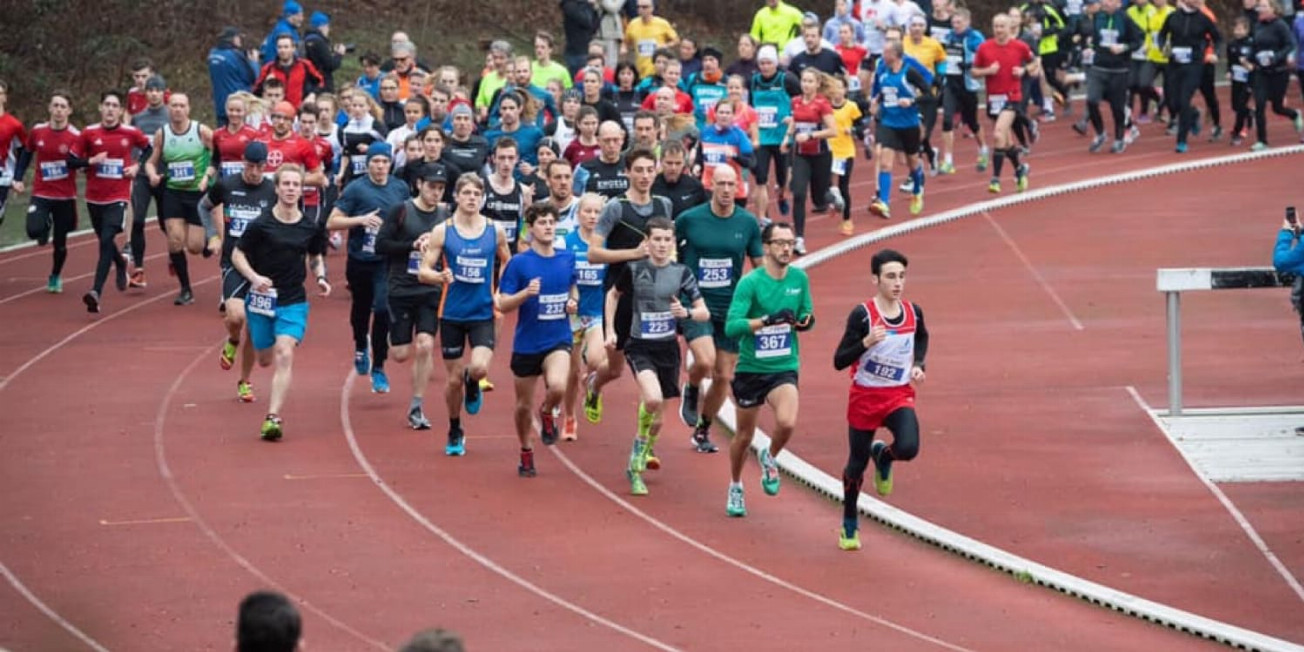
(49, 612)
(1036, 275)
(1222, 498)
(744, 566)
(489, 564)
(160, 458)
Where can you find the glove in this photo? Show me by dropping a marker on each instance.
(785, 316)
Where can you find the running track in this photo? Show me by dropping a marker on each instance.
(140, 505)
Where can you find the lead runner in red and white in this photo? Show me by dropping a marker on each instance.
(884, 345)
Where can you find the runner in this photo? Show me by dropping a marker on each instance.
(229, 144)
(770, 304)
(273, 255)
(725, 143)
(541, 283)
(654, 286)
(1112, 37)
(772, 91)
(1185, 34)
(149, 122)
(683, 190)
(607, 172)
(184, 147)
(851, 126)
(237, 201)
(586, 323)
(1002, 61)
(506, 198)
(359, 209)
(108, 148)
(414, 307)
(461, 255)
(894, 96)
(960, 90)
(811, 126)
(54, 187)
(930, 53)
(884, 344)
(714, 239)
(12, 135)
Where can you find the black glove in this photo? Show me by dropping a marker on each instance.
(805, 324)
(785, 316)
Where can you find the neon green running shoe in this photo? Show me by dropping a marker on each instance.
(917, 204)
(272, 428)
(947, 168)
(228, 355)
(636, 485)
(244, 391)
(735, 506)
(638, 456)
(592, 400)
(846, 542)
(982, 162)
(769, 472)
(882, 469)
(994, 187)
(1021, 179)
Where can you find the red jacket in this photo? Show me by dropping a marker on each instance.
(301, 79)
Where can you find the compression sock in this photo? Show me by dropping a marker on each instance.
(850, 496)
(182, 267)
(884, 186)
(917, 177)
(1013, 154)
(998, 162)
(645, 419)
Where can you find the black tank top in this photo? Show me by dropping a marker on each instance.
(506, 209)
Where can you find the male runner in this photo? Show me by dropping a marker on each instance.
(12, 135)
(149, 121)
(541, 283)
(1002, 61)
(237, 201)
(884, 344)
(414, 307)
(894, 98)
(714, 239)
(273, 255)
(54, 186)
(460, 255)
(182, 148)
(607, 172)
(654, 287)
(770, 305)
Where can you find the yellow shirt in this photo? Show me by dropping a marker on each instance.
(843, 145)
(645, 38)
(1155, 51)
(927, 51)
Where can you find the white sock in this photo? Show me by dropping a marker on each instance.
(735, 485)
(949, 160)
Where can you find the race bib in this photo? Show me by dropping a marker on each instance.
(6, 177)
(889, 96)
(54, 170)
(509, 229)
(1088, 57)
(261, 303)
(629, 123)
(238, 220)
(414, 262)
(1182, 55)
(552, 306)
(715, 154)
(954, 64)
(839, 166)
(646, 48)
(656, 325)
(773, 341)
(470, 270)
(885, 371)
(228, 168)
(369, 239)
(1264, 57)
(853, 83)
(588, 273)
(996, 103)
(714, 273)
(806, 127)
(110, 168)
(1240, 74)
(1108, 37)
(358, 163)
(768, 116)
(181, 171)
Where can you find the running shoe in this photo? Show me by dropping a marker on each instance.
(994, 187)
(638, 455)
(486, 385)
(1215, 134)
(653, 462)
(1133, 134)
(1021, 179)
(907, 186)
(1034, 131)
(848, 539)
(688, 405)
(54, 284)
(227, 359)
(1258, 147)
(417, 420)
(1144, 119)
(120, 276)
(835, 198)
(735, 506)
(701, 439)
(379, 382)
(917, 204)
(636, 485)
(1096, 143)
(592, 400)
(361, 362)
(1181, 148)
(184, 298)
(879, 208)
(948, 168)
(526, 468)
(847, 228)
(569, 431)
(1299, 122)
(138, 279)
(800, 249)
(983, 160)
(244, 391)
(1172, 129)
(882, 469)
(769, 472)
(784, 206)
(271, 430)
(1237, 141)
(547, 427)
(92, 301)
(1080, 127)
(1118, 147)
(472, 397)
(456, 446)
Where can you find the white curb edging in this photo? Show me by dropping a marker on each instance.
(1023, 569)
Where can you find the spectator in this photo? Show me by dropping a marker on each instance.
(745, 66)
(434, 640)
(318, 49)
(291, 20)
(300, 77)
(689, 58)
(842, 16)
(371, 74)
(402, 37)
(1288, 258)
(404, 56)
(267, 622)
(611, 29)
(579, 21)
(777, 22)
(230, 69)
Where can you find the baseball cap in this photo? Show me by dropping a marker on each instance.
(431, 171)
(156, 83)
(256, 152)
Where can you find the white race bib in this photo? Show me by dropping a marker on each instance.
(954, 64)
(369, 239)
(656, 325)
(1264, 57)
(110, 168)
(239, 220)
(1088, 57)
(768, 116)
(54, 170)
(773, 341)
(1240, 74)
(552, 306)
(470, 270)
(1182, 55)
(1108, 37)
(839, 166)
(228, 168)
(714, 273)
(587, 273)
(181, 171)
(358, 163)
(996, 103)
(646, 48)
(261, 303)
(414, 262)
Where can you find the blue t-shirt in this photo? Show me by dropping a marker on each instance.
(542, 323)
(361, 197)
(889, 87)
(588, 276)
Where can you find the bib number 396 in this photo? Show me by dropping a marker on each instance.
(261, 303)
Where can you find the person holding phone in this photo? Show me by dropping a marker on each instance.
(1288, 258)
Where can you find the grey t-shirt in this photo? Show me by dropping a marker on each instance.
(623, 225)
(651, 289)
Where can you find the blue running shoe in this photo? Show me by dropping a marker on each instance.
(472, 397)
(1181, 148)
(456, 446)
(379, 382)
(361, 362)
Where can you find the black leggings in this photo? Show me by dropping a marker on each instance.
(1109, 86)
(369, 313)
(844, 187)
(107, 221)
(811, 173)
(904, 425)
(928, 119)
(1270, 88)
(1241, 92)
(141, 194)
(1210, 95)
(1185, 82)
(59, 214)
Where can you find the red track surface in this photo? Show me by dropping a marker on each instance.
(1031, 443)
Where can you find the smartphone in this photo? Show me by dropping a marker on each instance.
(1290, 216)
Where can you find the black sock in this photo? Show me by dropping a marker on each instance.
(850, 495)
(704, 421)
(1013, 154)
(455, 424)
(182, 268)
(998, 162)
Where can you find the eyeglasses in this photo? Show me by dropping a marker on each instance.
(782, 243)
(389, 88)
